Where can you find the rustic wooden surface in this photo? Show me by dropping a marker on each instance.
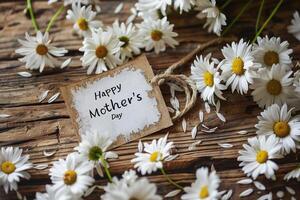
(41, 126)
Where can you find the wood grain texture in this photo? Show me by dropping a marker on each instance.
(41, 126)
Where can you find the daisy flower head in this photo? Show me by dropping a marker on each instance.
(72, 174)
(256, 158)
(157, 34)
(205, 186)
(237, 66)
(153, 5)
(273, 86)
(295, 174)
(69, 2)
(215, 19)
(52, 194)
(136, 188)
(83, 18)
(93, 146)
(13, 166)
(278, 121)
(131, 40)
(270, 51)
(154, 156)
(294, 28)
(207, 79)
(100, 51)
(38, 52)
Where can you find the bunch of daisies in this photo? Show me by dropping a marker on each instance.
(265, 68)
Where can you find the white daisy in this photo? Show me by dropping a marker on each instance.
(93, 147)
(52, 194)
(215, 19)
(83, 18)
(157, 33)
(153, 5)
(72, 174)
(237, 66)
(295, 173)
(279, 122)
(155, 154)
(184, 5)
(131, 40)
(68, 2)
(270, 51)
(205, 186)
(138, 189)
(257, 157)
(294, 28)
(100, 51)
(13, 166)
(207, 79)
(272, 86)
(38, 52)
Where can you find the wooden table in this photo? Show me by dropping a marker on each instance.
(41, 126)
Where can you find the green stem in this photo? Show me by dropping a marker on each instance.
(225, 4)
(170, 180)
(33, 20)
(58, 12)
(259, 15)
(237, 17)
(104, 163)
(268, 20)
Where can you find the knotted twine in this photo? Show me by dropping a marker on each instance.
(182, 80)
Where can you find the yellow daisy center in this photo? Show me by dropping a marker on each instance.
(156, 35)
(70, 177)
(270, 58)
(238, 66)
(8, 167)
(41, 49)
(262, 156)
(101, 51)
(281, 129)
(154, 156)
(204, 193)
(208, 79)
(274, 87)
(83, 24)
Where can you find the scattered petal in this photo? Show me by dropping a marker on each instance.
(40, 166)
(246, 192)
(172, 193)
(243, 132)
(25, 74)
(225, 145)
(227, 195)
(221, 117)
(245, 181)
(99, 170)
(266, 197)
(140, 146)
(43, 96)
(218, 105)
(194, 132)
(171, 157)
(119, 8)
(201, 116)
(66, 63)
(290, 190)
(4, 115)
(54, 97)
(111, 155)
(280, 194)
(259, 185)
(48, 154)
(89, 191)
(174, 102)
(207, 107)
(171, 110)
(183, 124)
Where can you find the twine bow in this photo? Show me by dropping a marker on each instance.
(184, 81)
